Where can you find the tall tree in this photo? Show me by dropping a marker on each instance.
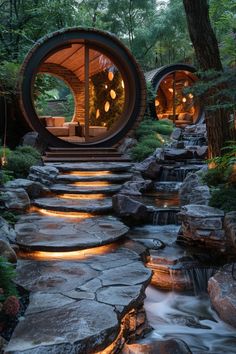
(208, 56)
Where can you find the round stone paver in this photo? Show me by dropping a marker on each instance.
(97, 206)
(36, 232)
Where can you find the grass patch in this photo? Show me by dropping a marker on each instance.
(151, 134)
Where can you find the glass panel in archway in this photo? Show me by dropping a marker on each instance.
(172, 103)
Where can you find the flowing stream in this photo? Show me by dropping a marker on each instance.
(190, 318)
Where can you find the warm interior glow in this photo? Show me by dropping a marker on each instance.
(107, 106)
(110, 75)
(170, 89)
(184, 99)
(157, 103)
(81, 196)
(122, 84)
(190, 95)
(71, 255)
(3, 160)
(113, 94)
(89, 173)
(97, 113)
(92, 184)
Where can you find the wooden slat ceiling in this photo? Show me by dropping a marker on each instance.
(72, 58)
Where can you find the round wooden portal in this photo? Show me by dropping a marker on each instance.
(107, 84)
(171, 102)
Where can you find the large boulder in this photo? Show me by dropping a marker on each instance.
(202, 226)
(126, 145)
(33, 139)
(222, 292)
(7, 233)
(169, 346)
(7, 252)
(197, 129)
(136, 186)
(151, 167)
(34, 189)
(15, 199)
(192, 191)
(46, 175)
(129, 209)
(176, 134)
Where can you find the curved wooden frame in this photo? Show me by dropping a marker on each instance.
(157, 76)
(104, 42)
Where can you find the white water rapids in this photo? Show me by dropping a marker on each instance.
(190, 318)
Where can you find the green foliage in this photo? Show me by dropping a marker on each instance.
(151, 134)
(224, 198)
(228, 159)
(215, 177)
(149, 126)
(19, 161)
(9, 216)
(222, 13)
(48, 87)
(9, 74)
(5, 176)
(216, 90)
(7, 274)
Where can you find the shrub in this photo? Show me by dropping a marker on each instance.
(7, 274)
(224, 198)
(150, 134)
(10, 216)
(149, 126)
(214, 177)
(20, 160)
(140, 152)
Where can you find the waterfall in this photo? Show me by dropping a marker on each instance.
(165, 217)
(199, 277)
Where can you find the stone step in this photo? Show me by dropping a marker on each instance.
(73, 189)
(95, 206)
(110, 177)
(75, 153)
(86, 159)
(60, 234)
(78, 306)
(90, 149)
(92, 166)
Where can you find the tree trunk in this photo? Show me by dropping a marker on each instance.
(208, 56)
(202, 35)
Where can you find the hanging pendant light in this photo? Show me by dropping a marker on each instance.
(113, 94)
(107, 106)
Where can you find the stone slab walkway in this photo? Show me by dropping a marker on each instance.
(77, 306)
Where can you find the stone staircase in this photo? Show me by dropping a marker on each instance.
(83, 155)
(86, 281)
